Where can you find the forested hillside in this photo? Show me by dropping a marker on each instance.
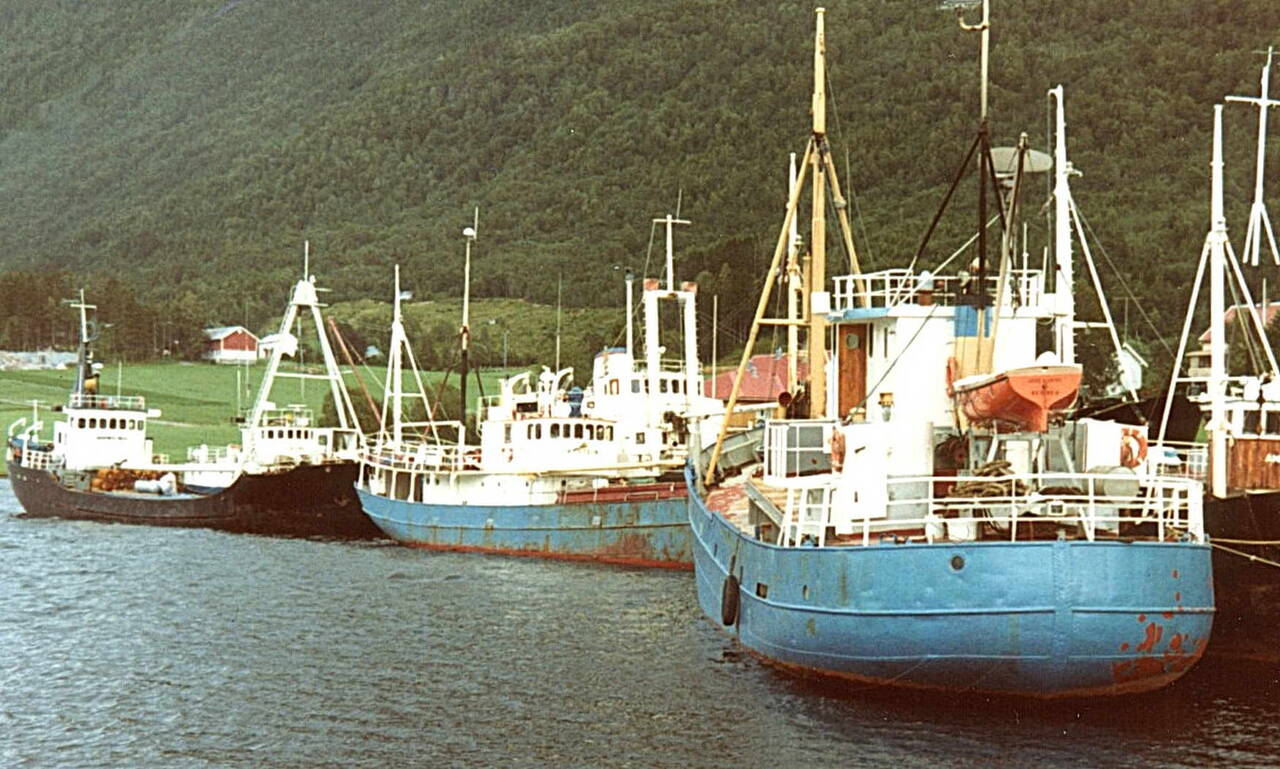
(186, 149)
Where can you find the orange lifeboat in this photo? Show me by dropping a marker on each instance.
(1022, 396)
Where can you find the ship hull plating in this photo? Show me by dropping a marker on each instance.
(1248, 585)
(1045, 619)
(653, 532)
(304, 501)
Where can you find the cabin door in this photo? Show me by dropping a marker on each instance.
(852, 340)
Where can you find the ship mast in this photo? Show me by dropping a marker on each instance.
(818, 233)
(1217, 246)
(1065, 308)
(1258, 219)
(817, 157)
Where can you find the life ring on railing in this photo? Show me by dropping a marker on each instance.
(1133, 447)
(837, 450)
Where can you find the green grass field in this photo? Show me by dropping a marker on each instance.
(198, 402)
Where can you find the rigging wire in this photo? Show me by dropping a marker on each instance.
(1125, 284)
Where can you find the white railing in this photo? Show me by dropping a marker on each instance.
(38, 459)
(119, 402)
(1175, 459)
(205, 454)
(290, 416)
(889, 287)
(419, 457)
(1079, 505)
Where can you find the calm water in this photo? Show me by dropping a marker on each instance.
(129, 646)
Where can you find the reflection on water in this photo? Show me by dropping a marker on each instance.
(132, 646)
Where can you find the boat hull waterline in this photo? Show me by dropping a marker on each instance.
(1044, 619)
(314, 500)
(652, 532)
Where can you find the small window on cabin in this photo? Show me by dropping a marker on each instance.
(639, 438)
(885, 336)
(80, 423)
(506, 433)
(635, 385)
(1252, 422)
(1273, 422)
(852, 341)
(537, 432)
(577, 431)
(528, 431)
(93, 423)
(555, 430)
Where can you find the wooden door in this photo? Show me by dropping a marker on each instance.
(852, 356)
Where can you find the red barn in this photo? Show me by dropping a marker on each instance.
(230, 344)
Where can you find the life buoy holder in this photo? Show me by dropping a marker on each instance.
(1133, 447)
(729, 601)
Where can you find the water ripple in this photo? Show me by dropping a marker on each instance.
(131, 646)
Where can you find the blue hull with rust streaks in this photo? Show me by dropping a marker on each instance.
(1041, 618)
(644, 533)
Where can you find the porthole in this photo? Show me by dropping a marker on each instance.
(957, 562)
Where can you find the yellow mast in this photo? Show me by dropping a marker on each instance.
(817, 157)
(818, 234)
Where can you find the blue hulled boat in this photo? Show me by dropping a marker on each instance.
(558, 472)
(886, 533)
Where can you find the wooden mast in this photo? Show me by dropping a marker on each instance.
(818, 233)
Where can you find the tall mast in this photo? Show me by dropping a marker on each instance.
(395, 381)
(1217, 426)
(1065, 298)
(794, 284)
(818, 234)
(670, 221)
(1258, 219)
(465, 333)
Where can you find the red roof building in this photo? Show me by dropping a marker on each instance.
(765, 379)
(230, 344)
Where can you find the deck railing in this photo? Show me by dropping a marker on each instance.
(113, 402)
(889, 287)
(39, 459)
(1076, 505)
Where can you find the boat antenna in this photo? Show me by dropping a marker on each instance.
(1258, 218)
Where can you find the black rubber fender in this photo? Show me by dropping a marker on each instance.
(729, 601)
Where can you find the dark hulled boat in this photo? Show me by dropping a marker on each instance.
(289, 476)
